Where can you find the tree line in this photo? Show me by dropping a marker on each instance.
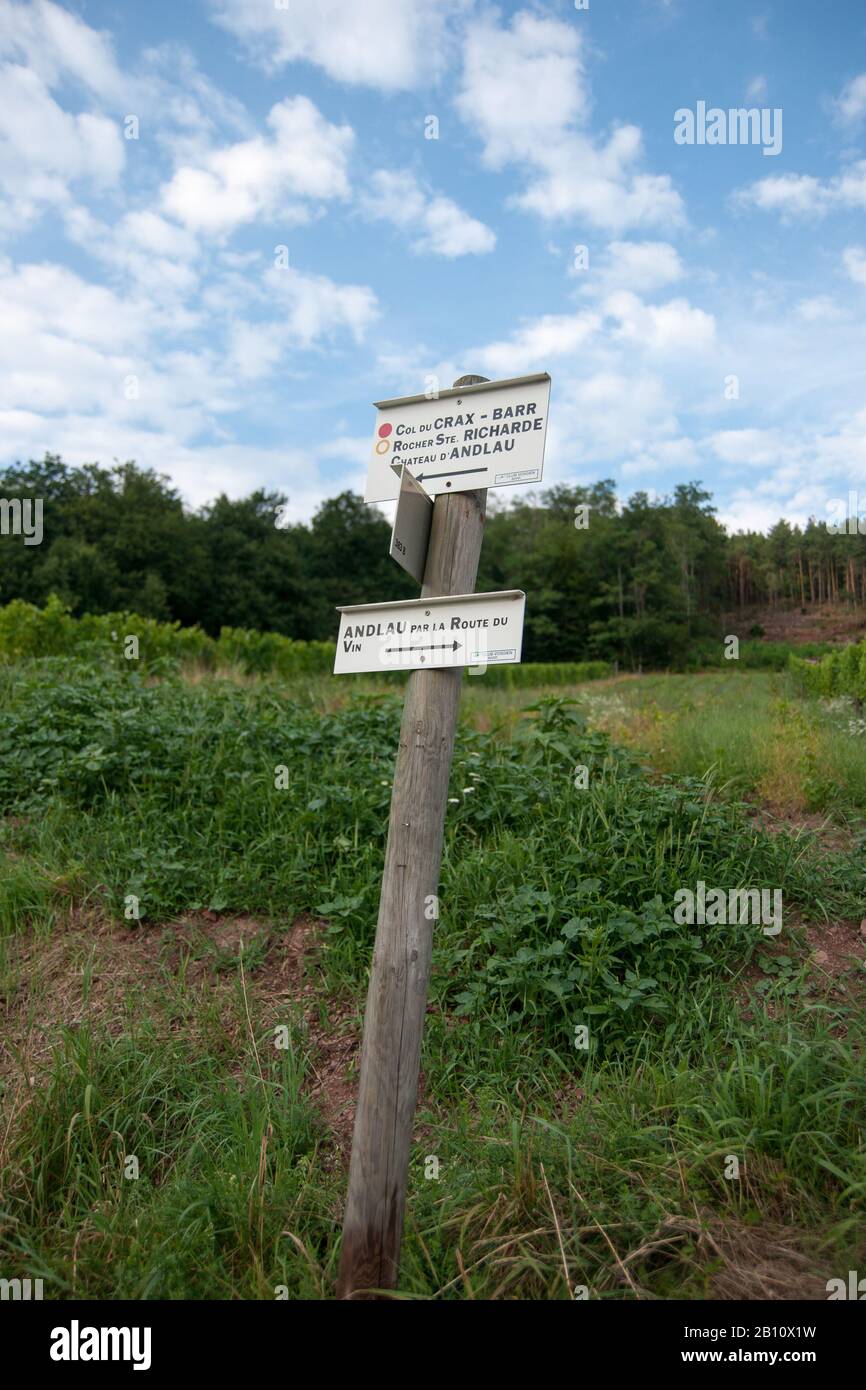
(638, 582)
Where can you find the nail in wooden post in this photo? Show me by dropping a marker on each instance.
(397, 997)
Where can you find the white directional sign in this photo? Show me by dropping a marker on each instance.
(410, 534)
(462, 630)
(490, 435)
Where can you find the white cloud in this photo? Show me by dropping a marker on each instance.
(630, 387)
(356, 449)
(578, 179)
(173, 100)
(304, 159)
(535, 344)
(662, 328)
(851, 102)
(187, 108)
(255, 349)
(156, 255)
(439, 225)
(524, 91)
(214, 334)
(50, 299)
(854, 260)
(745, 512)
(849, 188)
(796, 472)
(150, 232)
(44, 149)
(316, 307)
(786, 193)
(818, 307)
(663, 457)
(756, 447)
(523, 86)
(56, 44)
(201, 469)
(803, 195)
(637, 265)
(71, 347)
(450, 232)
(613, 414)
(757, 88)
(389, 44)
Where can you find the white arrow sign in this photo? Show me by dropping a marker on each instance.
(461, 630)
(490, 435)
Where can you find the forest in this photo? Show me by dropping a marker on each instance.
(638, 582)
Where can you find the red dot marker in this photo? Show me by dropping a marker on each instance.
(384, 431)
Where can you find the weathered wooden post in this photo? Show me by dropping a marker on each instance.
(397, 997)
(474, 436)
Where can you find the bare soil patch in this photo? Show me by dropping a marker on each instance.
(774, 819)
(813, 623)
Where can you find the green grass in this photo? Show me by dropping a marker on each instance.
(753, 734)
(555, 911)
(218, 1167)
(233, 1200)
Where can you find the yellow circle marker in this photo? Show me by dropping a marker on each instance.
(383, 446)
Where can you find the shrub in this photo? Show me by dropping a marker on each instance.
(840, 672)
(27, 631)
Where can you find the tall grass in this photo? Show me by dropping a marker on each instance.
(541, 1189)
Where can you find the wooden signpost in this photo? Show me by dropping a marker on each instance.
(397, 996)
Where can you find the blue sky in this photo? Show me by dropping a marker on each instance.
(716, 331)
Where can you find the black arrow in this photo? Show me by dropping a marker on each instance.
(451, 473)
(432, 647)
